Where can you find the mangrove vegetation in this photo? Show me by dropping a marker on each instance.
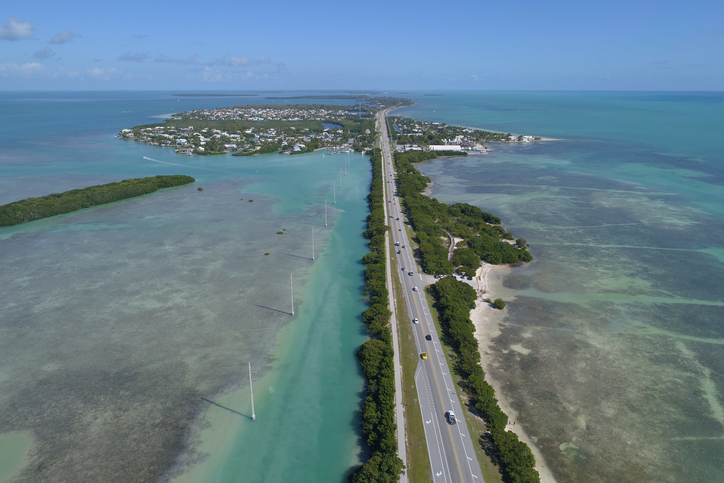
(31, 209)
(376, 356)
(434, 222)
(454, 300)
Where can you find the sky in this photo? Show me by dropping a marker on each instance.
(380, 45)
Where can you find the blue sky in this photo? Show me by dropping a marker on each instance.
(389, 45)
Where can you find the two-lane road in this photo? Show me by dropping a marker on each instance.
(450, 448)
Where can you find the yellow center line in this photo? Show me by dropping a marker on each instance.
(441, 398)
(437, 383)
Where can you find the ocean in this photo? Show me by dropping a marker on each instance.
(611, 348)
(127, 328)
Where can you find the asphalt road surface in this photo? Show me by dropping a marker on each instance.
(451, 451)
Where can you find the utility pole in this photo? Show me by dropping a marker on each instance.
(251, 388)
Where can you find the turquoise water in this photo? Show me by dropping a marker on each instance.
(621, 309)
(118, 320)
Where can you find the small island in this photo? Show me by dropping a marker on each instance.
(31, 209)
(415, 135)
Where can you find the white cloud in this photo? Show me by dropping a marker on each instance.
(103, 74)
(16, 30)
(234, 61)
(243, 61)
(45, 53)
(63, 37)
(133, 57)
(62, 72)
(190, 60)
(30, 69)
(35, 70)
(215, 74)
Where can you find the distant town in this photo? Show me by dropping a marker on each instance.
(249, 130)
(293, 129)
(411, 134)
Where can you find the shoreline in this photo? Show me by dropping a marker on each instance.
(487, 322)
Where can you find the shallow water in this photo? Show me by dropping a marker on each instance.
(119, 319)
(621, 309)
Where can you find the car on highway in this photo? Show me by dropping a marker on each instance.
(403, 246)
(424, 355)
(450, 416)
(414, 289)
(403, 269)
(397, 244)
(409, 273)
(428, 337)
(415, 321)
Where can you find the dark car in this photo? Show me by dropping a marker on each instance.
(428, 337)
(450, 416)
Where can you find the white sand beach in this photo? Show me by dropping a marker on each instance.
(487, 322)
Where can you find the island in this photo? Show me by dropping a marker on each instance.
(415, 135)
(31, 209)
(260, 129)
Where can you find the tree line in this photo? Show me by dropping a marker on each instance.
(454, 300)
(376, 356)
(483, 237)
(31, 209)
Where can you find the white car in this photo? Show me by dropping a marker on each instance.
(414, 289)
(415, 321)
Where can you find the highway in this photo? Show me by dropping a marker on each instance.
(450, 448)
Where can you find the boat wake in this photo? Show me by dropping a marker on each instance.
(189, 166)
(166, 162)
